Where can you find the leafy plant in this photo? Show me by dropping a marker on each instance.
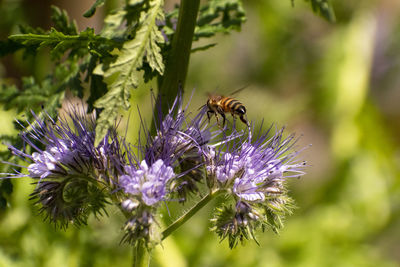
(139, 41)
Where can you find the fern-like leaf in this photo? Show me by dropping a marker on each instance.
(122, 75)
(61, 43)
(61, 21)
(219, 16)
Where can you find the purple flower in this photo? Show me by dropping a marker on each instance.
(256, 170)
(254, 173)
(66, 148)
(179, 142)
(68, 166)
(147, 183)
(176, 134)
(66, 151)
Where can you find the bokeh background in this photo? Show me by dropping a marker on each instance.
(337, 85)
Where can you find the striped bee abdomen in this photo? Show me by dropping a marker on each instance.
(233, 106)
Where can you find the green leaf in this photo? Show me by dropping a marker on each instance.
(92, 9)
(97, 87)
(61, 43)
(323, 8)
(62, 22)
(112, 25)
(216, 16)
(97, 90)
(122, 75)
(32, 96)
(49, 93)
(130, 16)
(219, 16)
(24, 29)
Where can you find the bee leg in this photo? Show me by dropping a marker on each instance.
(224, 118)
(244, 120)
(208, 114)
(216, 117)
(234, 120)
(221, 111)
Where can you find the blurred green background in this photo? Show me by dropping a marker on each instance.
(338, 85)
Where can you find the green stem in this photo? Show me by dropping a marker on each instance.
(175, 225)
(141, 257)
(178, 60)
(47, 37)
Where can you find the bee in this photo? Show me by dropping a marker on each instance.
(218, 104)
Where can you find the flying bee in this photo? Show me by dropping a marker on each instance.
(218, 104)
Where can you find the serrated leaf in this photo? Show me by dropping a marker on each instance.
(24, 29)
(122, 75)
(32, 96)
(49, 93)
(153, 51)
(97, 90)
(112, 25)
(61, 21)
(92, 9)
(129, 16)
(61, 43)
(219, 16)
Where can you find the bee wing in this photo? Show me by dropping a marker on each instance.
(213, 93)
(238, 90)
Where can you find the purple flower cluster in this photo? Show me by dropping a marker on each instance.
(60, 150)
(149, 183)
(75, 177)
(254, 172)
(178, 143)
(175, 135)
(255, 169)
(67, 165)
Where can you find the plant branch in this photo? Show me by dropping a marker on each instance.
(141, 257)
(181, 220)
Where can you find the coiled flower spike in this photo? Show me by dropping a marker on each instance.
(254, 173)
(67, 167)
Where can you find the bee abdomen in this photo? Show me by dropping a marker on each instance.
(241, 110)
(235, 106)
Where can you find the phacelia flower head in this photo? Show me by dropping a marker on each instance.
(176, 134)
(66, 165)
(179, 142)
(178, 145)
(256, 169)
(254, 173)
(145, 186)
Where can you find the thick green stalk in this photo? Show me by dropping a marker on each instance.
(181, 220)
(141, 256)
(178, 60)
